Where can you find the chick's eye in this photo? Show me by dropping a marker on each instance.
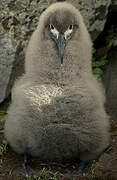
(70, 27)
(51, 27)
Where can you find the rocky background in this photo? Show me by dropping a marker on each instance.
(19, 18)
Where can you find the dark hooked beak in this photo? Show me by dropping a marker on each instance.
(61, 46)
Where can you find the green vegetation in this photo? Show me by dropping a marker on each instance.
(3, 147)
(44, 174)
(2, 116)
(4, 143)
(97, 64)
(95, 166)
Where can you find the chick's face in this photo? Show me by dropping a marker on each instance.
(61, 27)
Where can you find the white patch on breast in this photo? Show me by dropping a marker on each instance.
(42, 95)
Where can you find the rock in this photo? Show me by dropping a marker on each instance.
(110, 82)
(7, 54)
(113, 7)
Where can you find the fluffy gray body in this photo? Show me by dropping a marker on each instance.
(57, 111)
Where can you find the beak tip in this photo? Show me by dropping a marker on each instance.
(61, 60)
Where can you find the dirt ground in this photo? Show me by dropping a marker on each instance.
(104, 168)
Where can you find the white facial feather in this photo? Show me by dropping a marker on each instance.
(54, 31)
(68, 33)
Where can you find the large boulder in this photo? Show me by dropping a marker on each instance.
(7, 54)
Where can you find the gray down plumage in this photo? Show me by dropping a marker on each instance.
(57, 111)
